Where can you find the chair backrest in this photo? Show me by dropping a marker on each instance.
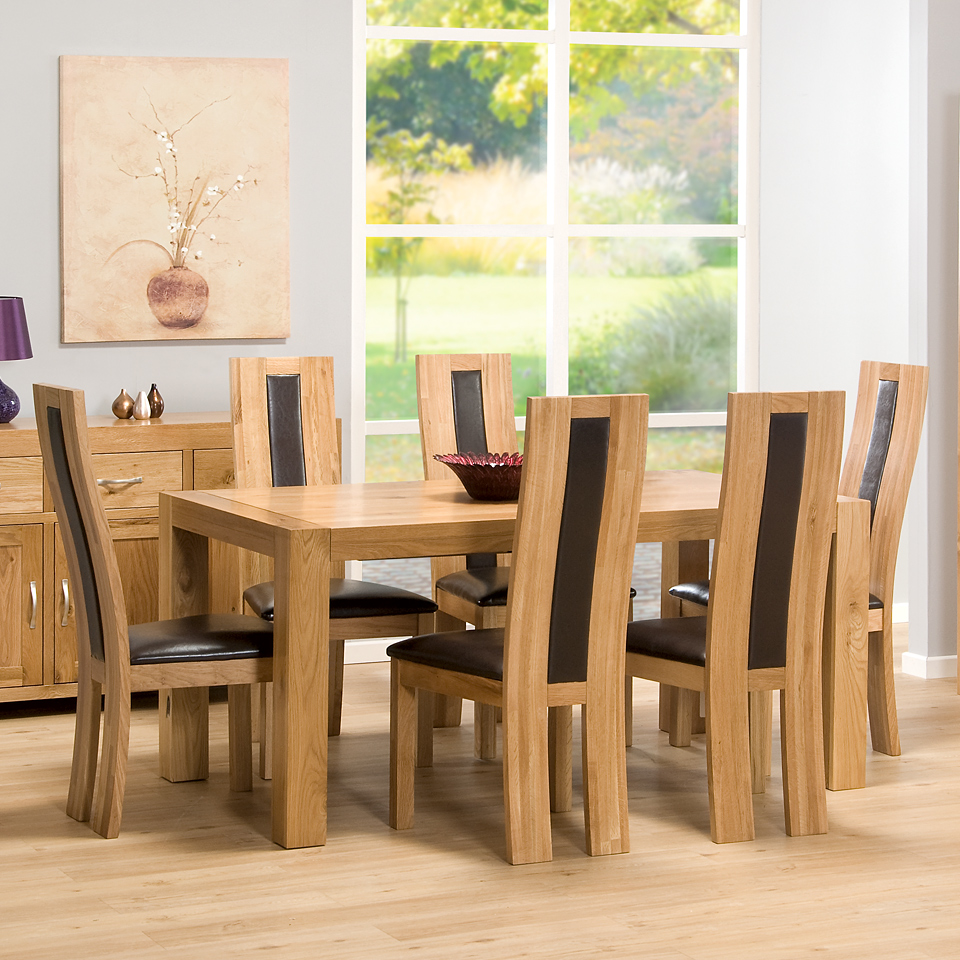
(777, 514)
(891, 401)
(573, 547)
(91, 560)
(284, 421)
(465, 405)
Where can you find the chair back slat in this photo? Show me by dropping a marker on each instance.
(288, 466)
(91, 561)
(466, 387)
(881, 457)
(573, 548)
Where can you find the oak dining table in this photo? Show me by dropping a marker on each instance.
(308, 529)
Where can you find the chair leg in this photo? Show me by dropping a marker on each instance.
(685, 704)
(760, 708)
(403, 748)
(605, 816)
(335, 701)
(628, 711)
(240, 730)
(484, 731)
(447, 710)
(425, 713)
(728, 769)
(526, 790)
(881, 696)
(111, 784)
(801, 750)
(560, 750)
(86, 746)
(666, 706)
(266, 731)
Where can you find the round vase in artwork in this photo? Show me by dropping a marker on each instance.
(178, 297)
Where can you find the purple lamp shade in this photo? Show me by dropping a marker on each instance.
(14, 337)
(14, 345)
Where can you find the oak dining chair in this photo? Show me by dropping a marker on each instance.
(285, 433)
(116, 659)
(465, 405)
(763, 625)
(562, 643)
(882, 453)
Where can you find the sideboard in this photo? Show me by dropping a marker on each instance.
(133, 460)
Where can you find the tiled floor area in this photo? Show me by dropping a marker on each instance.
(415, 575)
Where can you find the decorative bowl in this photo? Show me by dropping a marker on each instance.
(486, 476)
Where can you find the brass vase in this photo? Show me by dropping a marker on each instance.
(123, 406)
(156, 402)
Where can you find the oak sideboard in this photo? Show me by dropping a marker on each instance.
(133, 460)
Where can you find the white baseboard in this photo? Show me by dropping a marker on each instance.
(367, 651)
(929, 668)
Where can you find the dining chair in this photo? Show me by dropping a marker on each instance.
(887, 423)
(116, 659)
(562, 644)
(286, 434)
(762, 629)
(465, 405)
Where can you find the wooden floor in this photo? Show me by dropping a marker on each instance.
(193, 875)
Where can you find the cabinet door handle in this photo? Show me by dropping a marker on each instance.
(119, 483)
(33, 604)
(65, 587)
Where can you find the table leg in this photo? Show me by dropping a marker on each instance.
(183, 713)
(845, 649)
(301, 663)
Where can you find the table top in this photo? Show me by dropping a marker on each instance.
(379, 520)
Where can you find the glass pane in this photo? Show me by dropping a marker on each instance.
(468, 295)
(489, 14)
(679, 16)
(393, 458)
(456, 133)
(686, 448)
(655, 316)
(653, 135)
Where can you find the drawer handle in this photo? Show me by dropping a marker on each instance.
(65, 586)
(33, 604)
(120, 483)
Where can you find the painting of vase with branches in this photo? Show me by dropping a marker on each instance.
(175, 215)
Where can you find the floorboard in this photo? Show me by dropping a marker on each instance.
(194, 875)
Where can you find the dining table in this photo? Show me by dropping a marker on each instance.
(308, 530)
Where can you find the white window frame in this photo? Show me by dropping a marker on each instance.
(557, 231)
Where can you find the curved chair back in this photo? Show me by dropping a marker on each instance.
(465, 405)
(891, 401)
(777, 508)
(91, 561)
(284, 421)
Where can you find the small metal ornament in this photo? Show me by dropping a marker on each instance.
(123, 406)
(156, 402)
(141, 407)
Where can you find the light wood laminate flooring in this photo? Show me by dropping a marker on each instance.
(194, 875)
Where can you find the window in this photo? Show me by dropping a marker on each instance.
(571, 182)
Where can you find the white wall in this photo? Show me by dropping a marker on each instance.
(935, 162)
(834, 211)
(315, 36)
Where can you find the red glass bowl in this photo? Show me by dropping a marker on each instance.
(486, 476)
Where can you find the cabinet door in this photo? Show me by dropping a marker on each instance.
(136, 544)
(21, 602)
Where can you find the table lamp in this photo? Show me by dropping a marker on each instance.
(14, 345)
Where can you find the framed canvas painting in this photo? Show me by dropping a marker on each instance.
(174, 182)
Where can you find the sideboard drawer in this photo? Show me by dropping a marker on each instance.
(21, 484)
(136, 479)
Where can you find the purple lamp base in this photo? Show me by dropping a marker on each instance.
(9, 403)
